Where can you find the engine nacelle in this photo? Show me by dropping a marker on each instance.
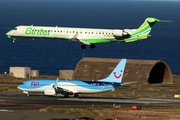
(129, 30)
(118, 33)
(49, 92)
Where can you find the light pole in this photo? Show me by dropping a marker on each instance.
(116, 108)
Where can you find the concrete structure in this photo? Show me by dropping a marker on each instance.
(20, 72)
(66, 74)
(151, 71)
(34, 73)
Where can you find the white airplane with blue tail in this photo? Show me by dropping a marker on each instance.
(75, 87)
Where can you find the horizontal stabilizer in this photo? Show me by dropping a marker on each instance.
(165, 21)
(126, 83)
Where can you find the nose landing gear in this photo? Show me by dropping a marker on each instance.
(14, 40)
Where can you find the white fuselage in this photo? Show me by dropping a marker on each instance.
(61, 32)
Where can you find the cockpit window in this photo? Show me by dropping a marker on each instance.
(15, 29)
(22, 83)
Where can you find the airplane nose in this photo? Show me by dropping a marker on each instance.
(19, 87)
(8, 34)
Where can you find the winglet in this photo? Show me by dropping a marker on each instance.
(56, 83)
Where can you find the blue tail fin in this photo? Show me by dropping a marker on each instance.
(117, 74)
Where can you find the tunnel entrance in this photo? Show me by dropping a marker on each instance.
(151, 71)
(157, 73)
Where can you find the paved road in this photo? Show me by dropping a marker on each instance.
(14, 106)
(22, 107)
(39, 101)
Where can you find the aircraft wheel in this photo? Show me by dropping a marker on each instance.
(76, 95)
(92, 46)
(66, 95)
(14, 40)
(83, 46)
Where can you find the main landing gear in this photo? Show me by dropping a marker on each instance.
(76, 95)
(66, 95)
(92, 46)
(83, 46)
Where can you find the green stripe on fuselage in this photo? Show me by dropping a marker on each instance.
(99, 40)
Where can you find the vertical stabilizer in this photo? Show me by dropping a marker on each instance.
(117, 74)
(143, 31)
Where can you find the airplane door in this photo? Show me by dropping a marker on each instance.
(21, 31)
(102, 86)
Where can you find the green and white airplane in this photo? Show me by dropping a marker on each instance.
(86, 36)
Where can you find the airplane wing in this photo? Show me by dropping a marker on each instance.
(63, 89)
(84, 42)
(75, 39)
(69, 90)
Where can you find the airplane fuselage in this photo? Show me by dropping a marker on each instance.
(92, 35)
(86, 36)
(78, 87)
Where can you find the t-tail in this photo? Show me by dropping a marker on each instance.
(143, 31)
(116, 75)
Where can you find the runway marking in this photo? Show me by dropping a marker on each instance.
(125, 100)
(4, 110)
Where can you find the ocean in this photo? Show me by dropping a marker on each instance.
(50, 56)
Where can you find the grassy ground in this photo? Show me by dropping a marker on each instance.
(123, 113)
(9, 84)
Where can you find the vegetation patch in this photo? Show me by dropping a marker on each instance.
(9, 84)
(83, 112)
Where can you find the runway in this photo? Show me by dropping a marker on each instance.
(126, 100)
(21, 107)
(21, 101)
